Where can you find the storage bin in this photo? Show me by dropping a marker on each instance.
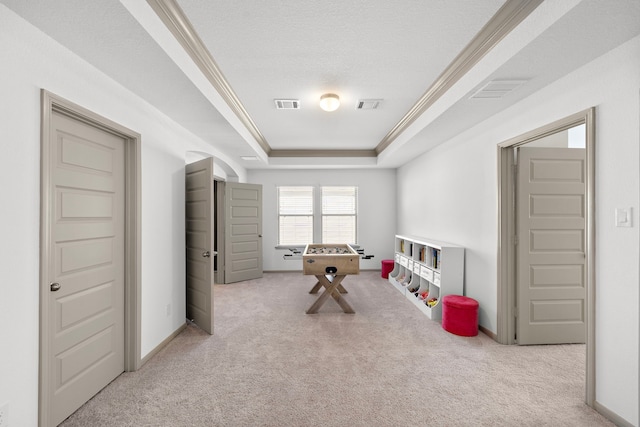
(460, 315)
(387, 267)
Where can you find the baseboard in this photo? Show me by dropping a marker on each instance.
(160, 346)
(488, 333)
(282, 271)
(611, 416)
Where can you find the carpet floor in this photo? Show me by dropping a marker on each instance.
(270, 364)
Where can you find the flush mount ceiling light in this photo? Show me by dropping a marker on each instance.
(329, 102)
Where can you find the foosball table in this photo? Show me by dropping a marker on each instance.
(330, 263)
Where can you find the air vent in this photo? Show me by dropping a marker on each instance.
(287, 104)
(497, 89)
(368, 104)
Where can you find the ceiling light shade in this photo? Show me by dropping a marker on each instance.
(329, 102)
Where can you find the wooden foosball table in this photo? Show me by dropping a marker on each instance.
(330, 263)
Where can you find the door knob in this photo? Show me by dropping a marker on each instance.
(206, 254)
(55, 287)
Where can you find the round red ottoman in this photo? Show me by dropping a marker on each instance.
(460, 315)
(387, 267)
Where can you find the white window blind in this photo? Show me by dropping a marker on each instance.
(295, 215)
(339, 214)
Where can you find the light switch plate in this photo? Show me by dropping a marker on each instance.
(623, 217)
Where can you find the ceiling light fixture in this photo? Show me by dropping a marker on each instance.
(329, 102)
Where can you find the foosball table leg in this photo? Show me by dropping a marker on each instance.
(318, 285)
(316, 288)
(331, 289)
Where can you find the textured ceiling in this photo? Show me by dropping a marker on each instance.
(357, 49)
(301, 49)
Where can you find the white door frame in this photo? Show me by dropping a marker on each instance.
(506, 324)
(132, 309)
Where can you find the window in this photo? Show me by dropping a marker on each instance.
(334, 221)
(295, 215)
(339, 214)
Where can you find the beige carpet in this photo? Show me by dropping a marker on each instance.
(270, 364)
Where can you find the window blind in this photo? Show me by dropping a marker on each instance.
(295, 215)
(339, 214)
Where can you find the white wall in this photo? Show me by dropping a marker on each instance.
(376, 210)
(31, 61)
(461, 206)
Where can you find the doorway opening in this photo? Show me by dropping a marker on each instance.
(508, 239)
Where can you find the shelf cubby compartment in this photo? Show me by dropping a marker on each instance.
(401, 275)
(404, 247)
(420, 303)
(434, 292)
(432, 257)
(408, 271)
(408, 276)
(415, 276)
(415, 285)
(419, 252)
(420, 285)
(436, 278)
(433, 311)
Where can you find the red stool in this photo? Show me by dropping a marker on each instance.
(387, 267)
(460, 315)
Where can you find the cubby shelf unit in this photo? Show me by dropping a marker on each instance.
(422, 265)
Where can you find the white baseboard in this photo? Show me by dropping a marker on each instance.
(611, 416)
(160, 346)
(488, 333)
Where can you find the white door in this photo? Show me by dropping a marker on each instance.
(551, 257)
(85, 264)
(243, 232)
(199, 212)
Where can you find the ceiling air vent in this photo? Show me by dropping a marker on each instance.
(497, 89)
(368, 104)
(287, 104)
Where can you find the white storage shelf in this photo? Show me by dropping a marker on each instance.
(426, 270)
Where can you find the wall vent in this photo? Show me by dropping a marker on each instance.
(497, 89)
(368, 104)
(287, 104)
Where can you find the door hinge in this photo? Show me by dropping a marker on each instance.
(515, 239)
(515, 312)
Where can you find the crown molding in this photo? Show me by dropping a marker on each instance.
(175, 20)
(508, 17)
(323, 153)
